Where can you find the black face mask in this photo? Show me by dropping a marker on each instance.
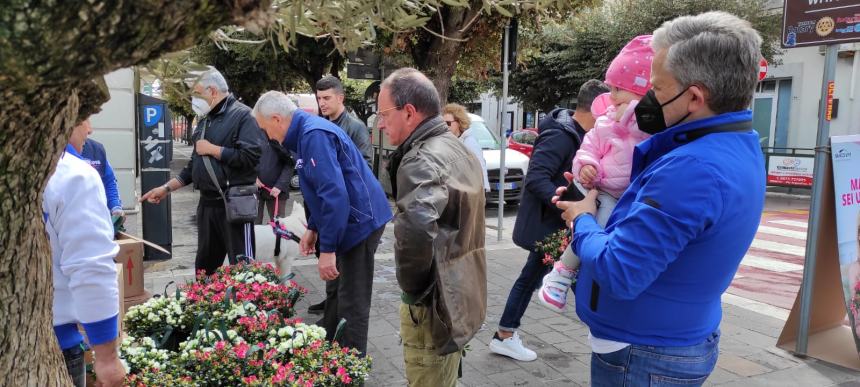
(649, 113)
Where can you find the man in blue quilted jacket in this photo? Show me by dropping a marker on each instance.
(650, 283)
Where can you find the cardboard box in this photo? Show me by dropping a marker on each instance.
(130, 256)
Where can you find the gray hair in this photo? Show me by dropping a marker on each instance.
(410, 86)
(716, 50)
(275, 102)
(213, 78)
(588, 92)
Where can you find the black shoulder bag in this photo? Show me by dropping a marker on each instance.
(241, 201)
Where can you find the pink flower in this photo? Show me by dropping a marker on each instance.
(219, 345)
(241, 350)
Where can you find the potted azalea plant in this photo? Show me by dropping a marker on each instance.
(235, 327)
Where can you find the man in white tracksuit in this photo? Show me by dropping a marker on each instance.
(83, 251)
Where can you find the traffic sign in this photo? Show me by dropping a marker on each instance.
(762, 69)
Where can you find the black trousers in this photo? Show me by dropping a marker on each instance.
(216, 238)
(74, 358)
(349, 295)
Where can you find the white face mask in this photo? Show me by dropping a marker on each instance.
(200, 106)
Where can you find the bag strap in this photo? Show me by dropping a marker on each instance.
(208, 164)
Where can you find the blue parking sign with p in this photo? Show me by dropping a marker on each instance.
(152, 114)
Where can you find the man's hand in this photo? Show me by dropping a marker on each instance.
(109, 370)
(259, 183)
(306, 245)
(206, 148)
(587, 175)
(155, 195)
(275, 192)
(574, 209)
(328, 266)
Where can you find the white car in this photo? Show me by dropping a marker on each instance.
(516, 163)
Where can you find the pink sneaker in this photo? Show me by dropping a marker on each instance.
(553, 291)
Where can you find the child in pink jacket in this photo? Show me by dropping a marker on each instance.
(605, 158)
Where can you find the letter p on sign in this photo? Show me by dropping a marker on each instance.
(151, 114)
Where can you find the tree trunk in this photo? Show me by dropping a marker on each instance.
(441, 65)
(437, 57)
(50, 54)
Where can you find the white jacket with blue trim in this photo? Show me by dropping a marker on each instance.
(82, 248)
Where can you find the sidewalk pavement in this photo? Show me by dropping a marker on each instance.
(748, 355)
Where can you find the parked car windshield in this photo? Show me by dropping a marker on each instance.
(484, 136)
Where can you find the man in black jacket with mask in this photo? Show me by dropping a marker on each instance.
(560, 134)
(232, 143)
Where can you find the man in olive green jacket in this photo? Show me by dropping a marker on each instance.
(438, 230)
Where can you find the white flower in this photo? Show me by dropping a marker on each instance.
(260, 278)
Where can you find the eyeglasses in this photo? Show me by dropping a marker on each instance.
(449, 122)
(381, 114)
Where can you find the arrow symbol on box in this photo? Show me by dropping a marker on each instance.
(130, 266)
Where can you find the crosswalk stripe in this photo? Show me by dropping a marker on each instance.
(755, 306)
(782, 232)
(770, 264)
(786, 222)
(779, 247)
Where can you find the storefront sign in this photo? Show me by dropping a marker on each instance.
(791, 171)
(818, 22)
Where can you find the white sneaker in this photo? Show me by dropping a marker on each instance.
(512, 347)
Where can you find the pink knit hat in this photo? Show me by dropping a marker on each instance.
(631, 69)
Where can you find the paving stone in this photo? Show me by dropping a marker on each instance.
(540, 370)
(813, 373)
(515, 377)
(554, 337)
(768, 358)
(740, 366)
(573, 347)
(721, 376)
(560, 383)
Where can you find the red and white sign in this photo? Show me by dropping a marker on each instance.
(762, 69)
(795, 171)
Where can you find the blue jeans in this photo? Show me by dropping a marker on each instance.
(639, 365)
(521, 293)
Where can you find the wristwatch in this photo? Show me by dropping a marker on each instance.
(166, 187)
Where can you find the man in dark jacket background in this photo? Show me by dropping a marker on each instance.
(232, 142)
(560, 134)
(330, 96)
(348, 210)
